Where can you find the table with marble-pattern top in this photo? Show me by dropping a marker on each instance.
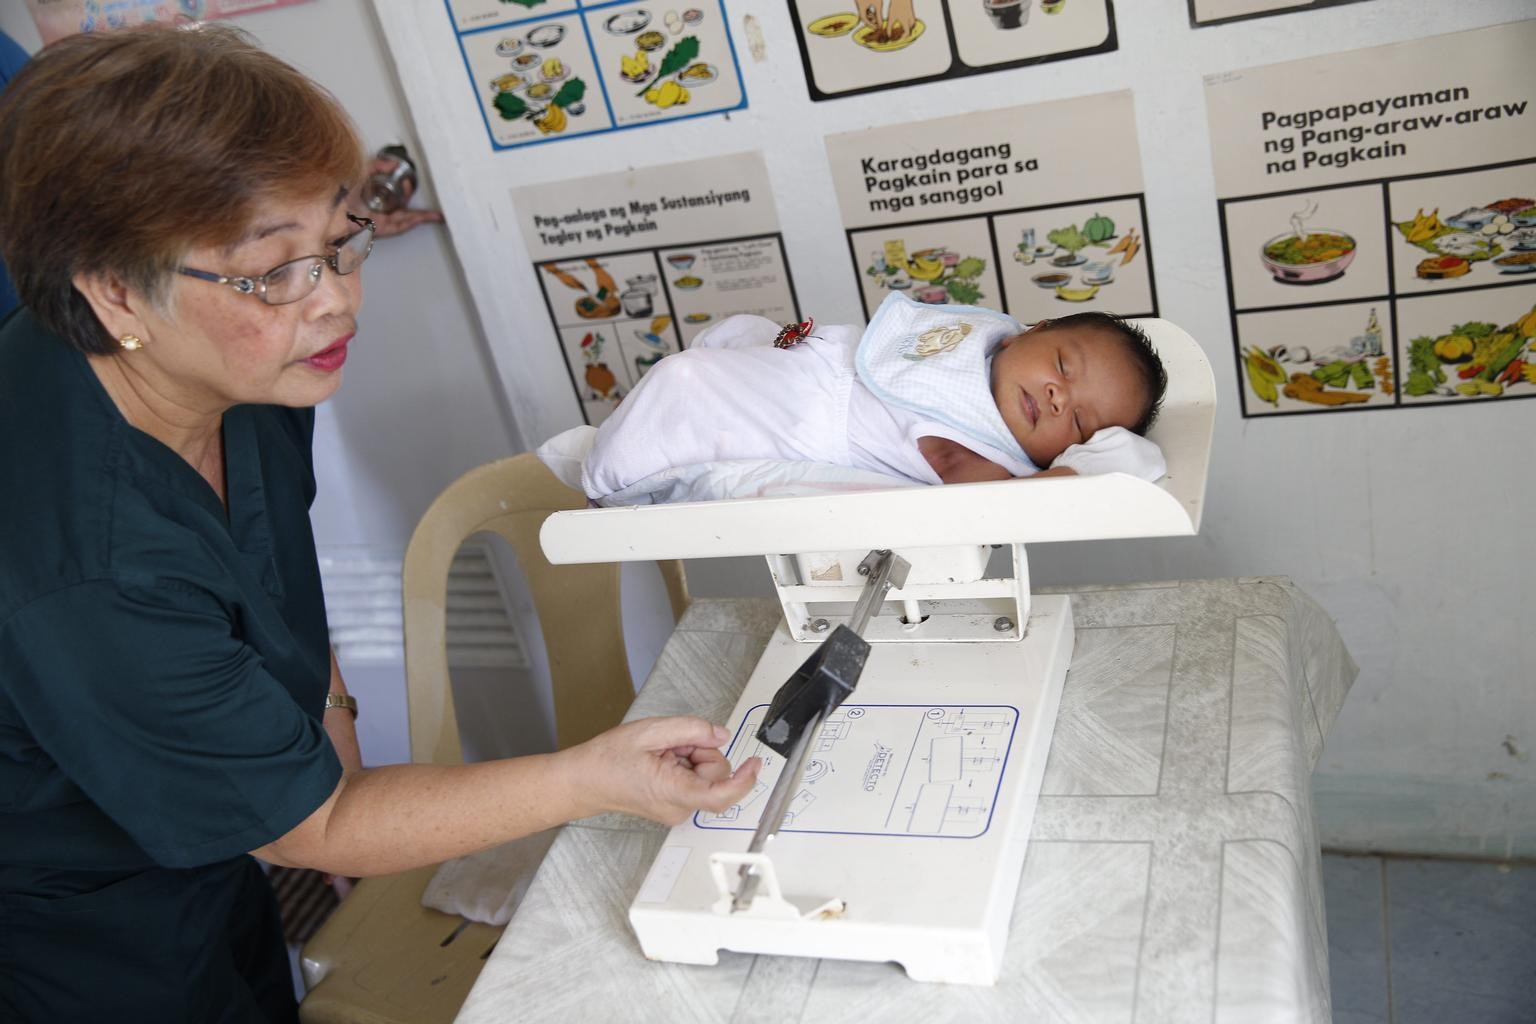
(1173, 872)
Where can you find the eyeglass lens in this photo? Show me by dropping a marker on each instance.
(297, 278)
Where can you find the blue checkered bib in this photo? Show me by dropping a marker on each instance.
(936, 361)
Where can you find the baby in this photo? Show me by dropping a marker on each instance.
(930, 394)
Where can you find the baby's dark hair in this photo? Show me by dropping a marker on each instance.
(1149, 366)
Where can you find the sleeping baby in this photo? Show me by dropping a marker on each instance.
(929, 394)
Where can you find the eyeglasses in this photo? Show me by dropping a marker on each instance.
(291, 281)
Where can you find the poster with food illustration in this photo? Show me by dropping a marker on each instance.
(1218, 12)
(545, 71)
(634, 265)
(854, 46)
(981, 210)
(1399, 193)
(56, 19)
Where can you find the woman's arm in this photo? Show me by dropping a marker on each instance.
(397, 817)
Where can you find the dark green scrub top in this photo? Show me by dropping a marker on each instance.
(163, 672)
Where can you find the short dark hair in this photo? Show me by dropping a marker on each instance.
(121, 150)
(1149, 366)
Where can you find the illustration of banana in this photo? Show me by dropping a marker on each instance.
(668, 94)
(1423, 228)
(925, 268)
(552, 120)
(1264, 374)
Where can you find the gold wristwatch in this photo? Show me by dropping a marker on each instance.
(341, 700)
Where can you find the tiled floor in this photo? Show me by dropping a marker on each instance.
(1430, 941)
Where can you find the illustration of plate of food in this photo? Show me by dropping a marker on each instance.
(697, 74)
(688, 282)
(885, 40)
(509, 82)
(554, 69)
(651, 40)
(1076, 293)
(1516, 262)
(546, 35)
(527, 60)
(833, 25)
(637, 69)
(696, 318)
(509, 46)
(627, 23)
(540, 91)
(1053, 280)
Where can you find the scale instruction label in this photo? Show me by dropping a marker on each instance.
(885, 769)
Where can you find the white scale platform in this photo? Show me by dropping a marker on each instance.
(914, 811)
(910, 826)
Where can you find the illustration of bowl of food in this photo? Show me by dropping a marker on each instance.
(1076, 293)
(1007, 14)
(651, 40)
(526, 60)
(546, 35)
(627, 23)
(509, 46)
(688, 282)
(1052, 6)
(681, 260)
(1098, 272)
(1310, 257)
(1052, 280)
(553, 70)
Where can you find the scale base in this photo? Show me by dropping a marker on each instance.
(907, 838)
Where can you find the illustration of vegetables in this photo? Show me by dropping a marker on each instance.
(1069, 238)
(1128, 245)
(683, 53)
(1424, 373)
(1098, 228)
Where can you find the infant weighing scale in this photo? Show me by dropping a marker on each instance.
(904, 706)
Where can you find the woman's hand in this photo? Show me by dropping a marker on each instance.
(661, 768)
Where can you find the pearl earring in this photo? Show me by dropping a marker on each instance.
(131, 342)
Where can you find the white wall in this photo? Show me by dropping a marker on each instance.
(1409, 526)
(1392, 520)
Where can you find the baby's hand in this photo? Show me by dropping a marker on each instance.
(1114, 450)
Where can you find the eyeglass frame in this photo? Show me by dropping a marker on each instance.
(257, 285)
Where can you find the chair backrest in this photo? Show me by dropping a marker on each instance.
(577, 605)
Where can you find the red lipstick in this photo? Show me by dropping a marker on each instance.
(330, 358)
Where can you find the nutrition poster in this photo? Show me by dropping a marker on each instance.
(1004, 209)
(59, 18)
(633, 265)
(544, 70)
(854, 46)
(1216, 12)
(1378, 216)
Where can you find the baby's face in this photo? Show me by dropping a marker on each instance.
(1055, 387)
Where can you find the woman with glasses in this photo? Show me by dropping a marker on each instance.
(173, 210)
